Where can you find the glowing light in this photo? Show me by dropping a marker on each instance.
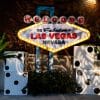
(90, 3)
(51, 48)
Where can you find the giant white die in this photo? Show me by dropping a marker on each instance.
(84, 57)
(14, 64)
(88, 81)
(14, 83)
(87, 67)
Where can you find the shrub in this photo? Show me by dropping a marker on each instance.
(51, 82)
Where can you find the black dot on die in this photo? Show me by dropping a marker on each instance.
(24, 91)
(7, 74)
(77, 63)
(87, 82)
(79, 89)
(19, 56)
(6, 67)
(79, 72)
(96, 90)
(90, 49)
(16, 82)
(7, 91)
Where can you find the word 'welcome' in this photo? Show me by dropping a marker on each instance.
(46, 19)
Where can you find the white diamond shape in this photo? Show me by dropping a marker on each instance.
(25, 35)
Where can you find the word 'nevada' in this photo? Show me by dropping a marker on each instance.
(46, 19)
(53, 36)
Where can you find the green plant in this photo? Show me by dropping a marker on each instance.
(3, 45)
(51, 82)
(98, 35)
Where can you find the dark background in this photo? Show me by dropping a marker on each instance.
(13, 11)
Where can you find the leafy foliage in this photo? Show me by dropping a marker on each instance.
(51, 82)
(3, 45)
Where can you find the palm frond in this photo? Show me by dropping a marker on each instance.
(3, 46)
(2, 39)
(3, 43)
(98, 35)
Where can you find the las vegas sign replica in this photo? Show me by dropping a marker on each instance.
(53, 37)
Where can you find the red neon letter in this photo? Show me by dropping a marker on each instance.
(81, 20)
(62, 19)
(36, 19)
(51, 35)
(54, 19)
(71, 19)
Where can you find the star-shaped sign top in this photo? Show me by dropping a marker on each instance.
(53, 37)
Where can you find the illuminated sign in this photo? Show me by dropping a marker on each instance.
(53, 37)
(54, 19)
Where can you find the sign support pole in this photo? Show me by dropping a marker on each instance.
(50, 65)
(37, 59)
(50, 58)
(50, 61)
